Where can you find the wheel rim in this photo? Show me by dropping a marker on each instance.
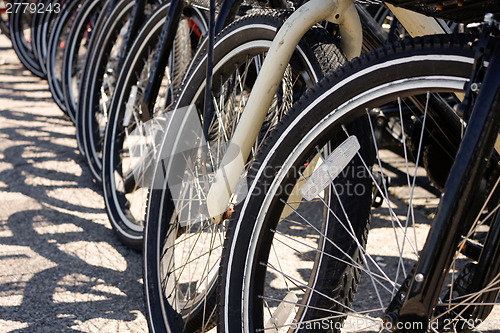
(262, 296)
(136, 142)
(187, 291)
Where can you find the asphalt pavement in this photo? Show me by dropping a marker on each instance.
(61, 267)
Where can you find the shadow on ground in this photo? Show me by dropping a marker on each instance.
(61, 267)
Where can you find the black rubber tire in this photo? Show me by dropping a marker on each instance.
(56, 46)
(314, 122)
(36, 19)
(18, 23)
(93, 76)
(100, 47)
(43, 32)
(251, 36)
(76, 51)
(129, 227)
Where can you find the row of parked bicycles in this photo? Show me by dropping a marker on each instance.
(242, 146)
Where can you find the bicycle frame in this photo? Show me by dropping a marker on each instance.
(137, 19)
(165, 45)
(456, 214)
(341, 12)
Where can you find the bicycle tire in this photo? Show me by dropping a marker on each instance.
(126, 219)
(236, 48)
(18, 23)
(44, 31)
(99, 77)
(36, 18)
(89, 72)
(326, 281)
(76, 51)
(55, 52)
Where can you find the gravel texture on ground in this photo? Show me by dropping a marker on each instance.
(61, 267)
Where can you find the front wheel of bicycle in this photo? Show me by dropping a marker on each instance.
(87, 22)
(20, 25)
(101, 71)
(182, 246)
(125, 147)
(56, 47)
(307, 251)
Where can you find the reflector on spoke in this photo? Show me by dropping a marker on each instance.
(331, 167)
(283, 313)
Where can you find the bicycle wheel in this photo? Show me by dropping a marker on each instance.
(85, 24)
(305, 250)
(95, 45)
(36, 18)
(52, 10)
(20, 25)
(100, 74)
(182, 246)
(125, 196)
(57, 45)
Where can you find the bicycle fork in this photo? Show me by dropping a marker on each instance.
(341, 12)
(456, 214)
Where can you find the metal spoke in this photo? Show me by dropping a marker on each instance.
(302, 284)
(352, 264)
